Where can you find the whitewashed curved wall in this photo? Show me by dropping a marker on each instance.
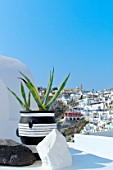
(9, 106)
(4, 102)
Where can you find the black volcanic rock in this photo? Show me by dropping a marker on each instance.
(15, 154)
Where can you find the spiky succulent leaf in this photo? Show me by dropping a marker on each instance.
(48, 88)
(26, 78)
(23, 94)
(33, 91)
(19, 100)
(29, 100)
(53, 99)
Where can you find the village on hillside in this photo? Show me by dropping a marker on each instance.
(94, 107)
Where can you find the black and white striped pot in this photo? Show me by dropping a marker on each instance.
(34, 126)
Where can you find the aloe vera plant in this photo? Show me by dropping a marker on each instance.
(46, 103)
(25, 104)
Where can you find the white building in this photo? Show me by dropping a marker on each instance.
(9, 106)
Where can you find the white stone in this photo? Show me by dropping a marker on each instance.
(54, 152)
(9, 106)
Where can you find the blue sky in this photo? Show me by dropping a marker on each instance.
(74, 36)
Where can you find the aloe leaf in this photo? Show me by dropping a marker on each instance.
(19, 100)
(27, 79)
(29, 100)
(23, 94)
(33, 91)
(48, 88)
(52, 100)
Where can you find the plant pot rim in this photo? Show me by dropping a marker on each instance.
(36, 111)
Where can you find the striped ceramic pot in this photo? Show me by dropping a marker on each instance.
(34, 126)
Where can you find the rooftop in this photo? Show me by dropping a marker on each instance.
(81, 160)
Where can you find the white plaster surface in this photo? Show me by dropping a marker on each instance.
(80, 161)
(9, 106)
(98, 145)
(54, 152)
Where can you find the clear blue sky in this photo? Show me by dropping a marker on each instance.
(72, 35)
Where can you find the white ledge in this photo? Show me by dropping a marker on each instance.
(98, 145)
(81, 160)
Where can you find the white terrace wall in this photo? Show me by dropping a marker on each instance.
(9, 106)
(98, 145)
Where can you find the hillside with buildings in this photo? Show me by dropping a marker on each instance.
(94, 108)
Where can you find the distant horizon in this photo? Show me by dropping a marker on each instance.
(73, 36)
(95, 90)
